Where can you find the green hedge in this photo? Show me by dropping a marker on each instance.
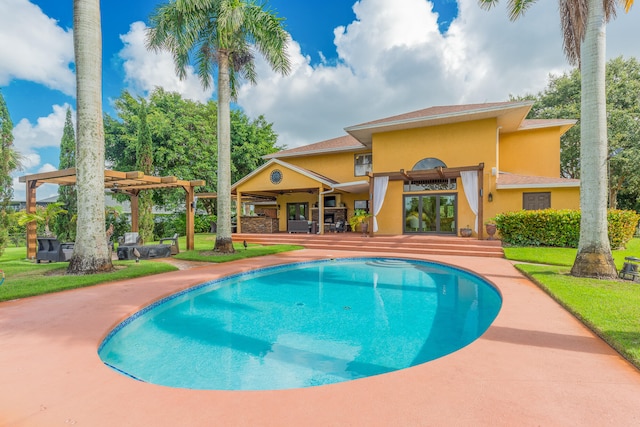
(560, 228)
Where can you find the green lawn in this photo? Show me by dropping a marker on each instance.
(24, 278)
(611, 308)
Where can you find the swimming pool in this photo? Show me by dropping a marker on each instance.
(303, 324)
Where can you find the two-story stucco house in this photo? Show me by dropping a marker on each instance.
(429, 171)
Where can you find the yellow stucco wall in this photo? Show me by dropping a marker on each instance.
(457, 145)
(339, 167)
(532, 152)
(561, 198)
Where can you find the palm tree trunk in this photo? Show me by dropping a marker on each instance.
(594, 251)
(91, 252)
(224, 242)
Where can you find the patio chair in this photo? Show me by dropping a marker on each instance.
(175, 248)
(130, 239)
(341, 227)
(630, 269)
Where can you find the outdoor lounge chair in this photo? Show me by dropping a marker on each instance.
(130, 239)
(175, 248)
(50, 249)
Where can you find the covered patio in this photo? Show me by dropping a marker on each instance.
(129, 183)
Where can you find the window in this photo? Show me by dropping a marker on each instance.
(361, 204)
(535, 201)
(362, 163)
(431, 185)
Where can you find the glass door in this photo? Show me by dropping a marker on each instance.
(298, 211)
(430, 213)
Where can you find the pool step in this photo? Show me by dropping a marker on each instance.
(401, 244)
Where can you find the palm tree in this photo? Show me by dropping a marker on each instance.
(584, 27)
(222, 34)
(91, 252)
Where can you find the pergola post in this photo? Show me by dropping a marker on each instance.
(32, 238)
(135, 211)
(190, 212)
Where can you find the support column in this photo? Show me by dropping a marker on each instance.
(370, 220)
(190, 212)
(481, 201)
(32, 238)
(238, 212)
(135, 210)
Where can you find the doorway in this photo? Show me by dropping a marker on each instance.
(298, 211)
(434, 213)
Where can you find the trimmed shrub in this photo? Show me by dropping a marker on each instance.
(560, 228)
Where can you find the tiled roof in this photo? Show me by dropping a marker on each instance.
(437, 111)
(346, 142)
(511, 180)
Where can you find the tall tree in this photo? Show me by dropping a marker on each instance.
(584, 28)
(180, 127)
(64, 223)
(91, 252)
(561, 99)
(222, 33)
(8, 162)
(144, 163)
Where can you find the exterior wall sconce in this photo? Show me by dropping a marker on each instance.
(490, 197)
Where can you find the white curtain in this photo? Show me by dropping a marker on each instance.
(470, 186)
(380, 184)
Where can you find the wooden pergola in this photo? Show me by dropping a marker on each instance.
(129, 183)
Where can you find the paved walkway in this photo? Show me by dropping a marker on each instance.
(535, 366)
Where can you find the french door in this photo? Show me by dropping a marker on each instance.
(433, 213)
(298, 211)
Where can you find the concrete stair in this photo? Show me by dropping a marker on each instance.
(400, 244)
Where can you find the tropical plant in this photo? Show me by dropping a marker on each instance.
(9, 160)
(584, 26)
(91, 252)
(43, 216)
(222, 33)
(359, 217)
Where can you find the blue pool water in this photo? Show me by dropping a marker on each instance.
(303, 325)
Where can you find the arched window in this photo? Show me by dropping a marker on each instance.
(428, 163)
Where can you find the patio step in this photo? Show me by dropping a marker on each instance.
(401, 244)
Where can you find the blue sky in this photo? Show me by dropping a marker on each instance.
(353, 61)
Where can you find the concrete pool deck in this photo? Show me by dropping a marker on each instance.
(536, 365)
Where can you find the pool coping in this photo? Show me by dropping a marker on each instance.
(536, 365)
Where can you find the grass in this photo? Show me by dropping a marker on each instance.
(611, 308)
(25, 278)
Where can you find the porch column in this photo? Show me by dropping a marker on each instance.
(321, 210)
(480, 201)
(238, 212)
(370, 219)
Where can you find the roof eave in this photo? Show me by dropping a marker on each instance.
(516, 113)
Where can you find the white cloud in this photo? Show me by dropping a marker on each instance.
(145, 70)
(46, 132)
(34, 47)
(392, 59)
